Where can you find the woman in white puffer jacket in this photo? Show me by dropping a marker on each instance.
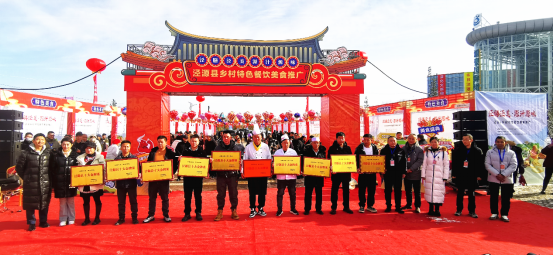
(435, 171)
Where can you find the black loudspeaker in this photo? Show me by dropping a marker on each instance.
(11, 114)
(473, 122)
(467, 125)
(470, 115)
(10, 125)
(11, 136)
(9, 152)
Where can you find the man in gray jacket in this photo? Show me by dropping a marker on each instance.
(412, 180)
(500, 163)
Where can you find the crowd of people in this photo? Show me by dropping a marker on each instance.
(45, 164)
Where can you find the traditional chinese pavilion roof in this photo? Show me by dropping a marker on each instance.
(187, 46)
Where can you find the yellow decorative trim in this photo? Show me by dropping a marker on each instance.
(173, 29)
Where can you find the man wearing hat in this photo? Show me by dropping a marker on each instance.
(286, 181)
(32, 167)
(315, 150)
(227, 179)
(340, 147)
(257, 186)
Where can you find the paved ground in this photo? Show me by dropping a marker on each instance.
(531, 194)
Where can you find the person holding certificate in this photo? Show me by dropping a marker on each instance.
(125, 187)
(160, 153)
(227, 179)
(193, 184)
(285, 180)
(396, 168)
(257, 186)
(340, 147)
(315, 150)
(367, 181)
(91, 157)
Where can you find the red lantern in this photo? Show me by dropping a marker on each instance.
(200, 98)
(192, 114)
(184, 117)
(208, 115)
(282, 116)
(271, 116)
(95, 64)
(173, 114)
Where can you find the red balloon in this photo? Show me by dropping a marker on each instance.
(95, 64)
(200, 98)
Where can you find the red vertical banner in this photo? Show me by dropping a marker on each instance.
(406, 122)
(366, 121)
(441, 85)
(307, 129)
(147, 118)
(297, 127)
(71, 124)
(114, 127)
(176, 127)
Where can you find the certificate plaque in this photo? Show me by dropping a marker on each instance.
(287, 165)
(87, 175)
(372, 164)
(122, 169)
(226, 160)
(193, 166)
(257, 168)
(343, 163)
(158, 170)
(319, 167)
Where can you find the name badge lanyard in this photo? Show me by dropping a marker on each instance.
(437, 152)
(466, 163)
(392, 163)
(409, 156)
(501, 157)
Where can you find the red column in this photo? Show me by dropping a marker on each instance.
(71, 124)
(147, 118)
(406, 122)
(113, 127)
(297, 127)
(340, 113)
(176, 127)
(307, 129)
(367, 122)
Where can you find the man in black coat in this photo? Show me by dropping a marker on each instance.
(80, 143)
(340, 147)
(315, 150)
(227, 179)
(412, 181)
(548, 164)
(27, 141)
(297, 144)
(193, 184)
(467, 164)
(209, 145)
(32, 167)
(396, 169)
(366, 181)
(125, 187)
(160, 153)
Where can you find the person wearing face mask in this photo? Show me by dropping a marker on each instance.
(160, 153)
(113, 150)
(395, 171)
(501, 163)
(91, 157)
(340, 147)
(435, 172)
(257, 187)
(33, 167)
(27, 141)
(61, 181)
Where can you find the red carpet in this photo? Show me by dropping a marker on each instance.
(382, 233)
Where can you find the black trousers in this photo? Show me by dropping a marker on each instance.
(121, 199)
(42, 216)
(461, 194)
(548, 174)
(192, 185)
(366, 183)
(415, 186)
(257, 187)
(309, 197)
(161, 188)
(281, 186)
(392, 182)
(97, 201)
(222, 184)
(337, 180)
(506, 194)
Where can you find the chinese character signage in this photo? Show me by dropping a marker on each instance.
(226, 160)
(122, 169)
(431, 129)
(159, 170)
(287, 165)
(435, 103)
(343, 163)
(384, 109)
(316, 167)
(468, 83)
(193, 166)
(441, 85)
(87, 175)
(372, 164)
(241, 70)
(257, 168)
(43, 103)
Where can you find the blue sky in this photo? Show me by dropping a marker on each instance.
(46, 43)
